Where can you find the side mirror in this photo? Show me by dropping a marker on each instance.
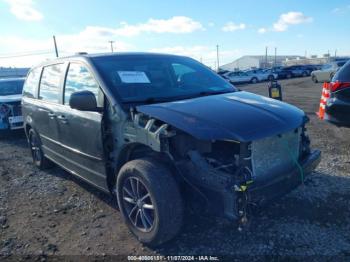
(83, 101)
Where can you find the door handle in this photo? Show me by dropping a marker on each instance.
(63, 119)
(51, 115)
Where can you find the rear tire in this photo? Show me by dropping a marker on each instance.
(314, 79)
(271, 78)
(304, 74)
(289, 76)
(39, 160)
(150, 201)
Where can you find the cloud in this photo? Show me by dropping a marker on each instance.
(290, 18)
(91, 40)
(231, 27)
(341, 10)
(24, 10)
(262, 30)
(176, 24)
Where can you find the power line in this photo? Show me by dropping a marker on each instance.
(32, 53)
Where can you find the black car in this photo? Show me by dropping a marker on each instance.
(338, 105)
(298, 70)
(282, 72)
(161, 132)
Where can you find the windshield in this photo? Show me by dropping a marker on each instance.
(152, 77)
(11, 87)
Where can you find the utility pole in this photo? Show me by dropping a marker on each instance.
(217, 57)
(335, 53)
(329, 56)
(275, 57)
(55, 44)
(266, 57)
(201, 60)
(111, 42)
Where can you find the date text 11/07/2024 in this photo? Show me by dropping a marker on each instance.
(173, 258)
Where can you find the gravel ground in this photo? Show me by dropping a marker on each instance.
(53, 213)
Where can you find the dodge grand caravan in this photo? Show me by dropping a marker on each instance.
(162, 131)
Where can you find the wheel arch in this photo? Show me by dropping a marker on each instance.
(134, 151)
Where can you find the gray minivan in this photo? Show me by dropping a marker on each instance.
(161, 131)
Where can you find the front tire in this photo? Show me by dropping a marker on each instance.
(254, 80)
(39, 160)
(314, 79)
(150, 201)
(271, 78)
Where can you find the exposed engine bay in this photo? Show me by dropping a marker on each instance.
(221, 172)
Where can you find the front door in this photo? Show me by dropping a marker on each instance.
(80, 132)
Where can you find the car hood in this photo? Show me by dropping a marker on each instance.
(10, 98)
(240, 116)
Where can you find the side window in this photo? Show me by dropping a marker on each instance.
(50, 83)
(31, 83)
(79, 78)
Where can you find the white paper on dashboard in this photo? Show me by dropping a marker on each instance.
(133, 77)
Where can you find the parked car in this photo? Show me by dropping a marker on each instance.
(298, 71)
(282, 72)
(241, 77)
(312, 67)
(338, 105)
(161, 131)
(10, 104)
(263, 74)
(326, 73)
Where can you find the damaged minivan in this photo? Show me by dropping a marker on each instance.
(160, 132)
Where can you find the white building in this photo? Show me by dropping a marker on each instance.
(258, 61)
(13, 72)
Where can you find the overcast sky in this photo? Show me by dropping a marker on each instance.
(186, 27)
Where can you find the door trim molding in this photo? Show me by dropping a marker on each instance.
(71, 149)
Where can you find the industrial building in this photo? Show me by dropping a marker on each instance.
(258, 61)
(13, 72)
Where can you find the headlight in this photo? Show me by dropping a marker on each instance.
(4, 110)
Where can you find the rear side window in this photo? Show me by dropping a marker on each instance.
(50, 83)
(31, 83)
(343, 75)
(78, 79)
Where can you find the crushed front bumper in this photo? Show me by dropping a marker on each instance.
(263, 192)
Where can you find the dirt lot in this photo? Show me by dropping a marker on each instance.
(43, 213)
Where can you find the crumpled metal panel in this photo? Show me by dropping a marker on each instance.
(275, 154)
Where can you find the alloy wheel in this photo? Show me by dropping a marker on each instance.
(138, 204)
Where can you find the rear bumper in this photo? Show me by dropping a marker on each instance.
(337, 112)
(263, 192)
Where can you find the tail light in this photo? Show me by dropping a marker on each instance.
(335, 86)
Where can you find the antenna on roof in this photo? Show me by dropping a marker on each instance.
(54, 42)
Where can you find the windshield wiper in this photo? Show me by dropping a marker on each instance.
(209, 93)
(149, 100)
